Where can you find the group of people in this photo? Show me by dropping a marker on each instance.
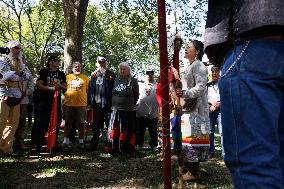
(113, 99)
(118, 104)
(245, 37)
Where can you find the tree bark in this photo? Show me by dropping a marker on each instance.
(74, 14)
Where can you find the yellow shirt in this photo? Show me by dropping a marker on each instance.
(76, 93)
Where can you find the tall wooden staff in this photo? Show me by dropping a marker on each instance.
(164, 67)
(176, 121)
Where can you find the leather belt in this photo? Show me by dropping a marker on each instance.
(243, 39)
(273, 37)
(14, 84)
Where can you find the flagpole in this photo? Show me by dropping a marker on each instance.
(164, 67)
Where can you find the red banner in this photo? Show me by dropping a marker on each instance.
(51, 132)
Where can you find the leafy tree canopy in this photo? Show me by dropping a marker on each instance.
(122, 30)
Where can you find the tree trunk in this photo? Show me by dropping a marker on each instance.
(74, 14)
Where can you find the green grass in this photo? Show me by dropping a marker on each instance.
(80, 169)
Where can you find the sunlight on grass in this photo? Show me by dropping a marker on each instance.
(51, 172)
(105, 155)
(98, 165)
(7, 160)
(76, 157)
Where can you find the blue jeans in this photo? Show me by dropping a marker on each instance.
(252, 108)
(215, 119)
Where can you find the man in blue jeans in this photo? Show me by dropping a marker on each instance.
(247, 36)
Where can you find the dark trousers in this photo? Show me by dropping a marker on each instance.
(215, 119)
(73, 132)
(36, 112)
(152, 124)
(30, 108)
(121, 132)
(101, 117)
(41, 127)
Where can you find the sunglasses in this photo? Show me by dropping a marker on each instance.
(149, 73)
(18, 48)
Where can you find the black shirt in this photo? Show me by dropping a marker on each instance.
(49, 78)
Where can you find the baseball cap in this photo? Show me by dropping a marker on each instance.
(101, 59)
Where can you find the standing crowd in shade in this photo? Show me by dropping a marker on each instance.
(122, 110)
(244, 99)
(113, 100)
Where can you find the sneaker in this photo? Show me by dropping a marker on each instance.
(155, 149)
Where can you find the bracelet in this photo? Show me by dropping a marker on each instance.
(51, 88)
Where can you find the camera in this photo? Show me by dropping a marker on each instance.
(4, 50)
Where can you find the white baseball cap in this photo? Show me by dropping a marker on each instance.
(101, 59)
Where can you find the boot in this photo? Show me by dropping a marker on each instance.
(180, 178)
(193, 172)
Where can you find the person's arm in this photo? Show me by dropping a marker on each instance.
(135, 90)
(30, 86)
(200, 76)
(91, 91)
(5, 73)
(87, 84)
(42, 87)
(40, 82)
(63, 85)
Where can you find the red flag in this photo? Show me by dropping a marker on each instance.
(51, 133)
